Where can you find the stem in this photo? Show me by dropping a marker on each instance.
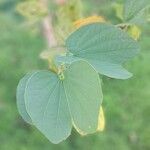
(48, 31)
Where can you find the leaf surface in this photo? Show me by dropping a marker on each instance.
(105, 47)
(56, 105)
(134, 10)
(83, 89)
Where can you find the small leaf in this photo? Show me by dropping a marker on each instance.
(56, 105)
(104, 46)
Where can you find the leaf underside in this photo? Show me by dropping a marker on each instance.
(56, 105)
(105, 47)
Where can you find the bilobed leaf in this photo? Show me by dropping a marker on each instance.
(105, 47)
(134, 10)
(20, 99)
(56, 105)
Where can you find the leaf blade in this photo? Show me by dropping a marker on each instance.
(44, 101)
(102, 43)
(55, 105)
(134, 10)
(85, 96)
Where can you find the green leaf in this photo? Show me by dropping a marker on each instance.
(20, 98)
(83, 89)
(104, 46)
(66, 59)
(56, 105)
(134, 10)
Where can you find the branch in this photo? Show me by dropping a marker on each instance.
(48, 31)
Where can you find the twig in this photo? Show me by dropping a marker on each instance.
(48, 31)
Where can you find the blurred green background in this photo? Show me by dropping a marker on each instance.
(126, 103)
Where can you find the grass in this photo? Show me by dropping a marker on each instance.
(126, 103)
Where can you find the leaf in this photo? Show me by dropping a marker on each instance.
(20, 99)
(134, 31)
(104, 46)
(85, 95)
(101, 120)
(66, 60)
(134, 10)
(56, 105)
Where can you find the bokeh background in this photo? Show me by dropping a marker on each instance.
(126, 102)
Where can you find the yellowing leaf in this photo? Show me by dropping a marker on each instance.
(92, 19)
(101, 120)
(134, 32)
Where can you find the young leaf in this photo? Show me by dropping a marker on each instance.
(56, 105)
(20, 99)
(134, 10)
(104, 46)
(66, 59)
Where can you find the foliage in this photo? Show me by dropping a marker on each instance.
(132, 14)
(77, 77)
(134, 10)
(62, 103)
(126, 105)
(106, 57)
